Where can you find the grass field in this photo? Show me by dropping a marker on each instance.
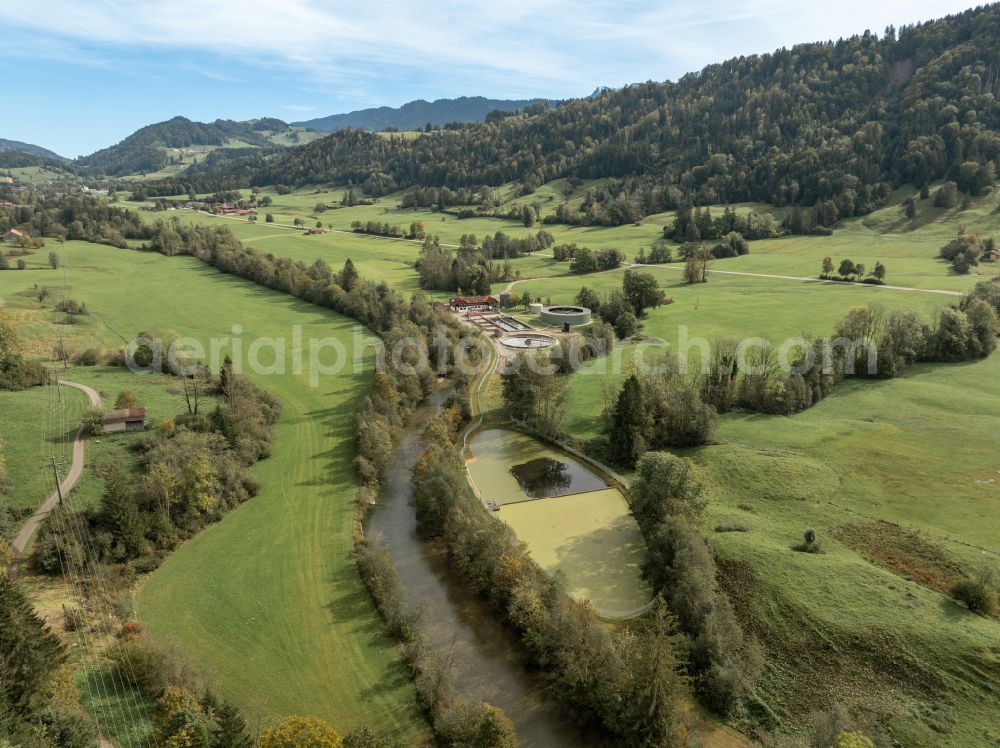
(271, 590)
(899, 478)
(917, 452)
(908, 247)
(883, 451)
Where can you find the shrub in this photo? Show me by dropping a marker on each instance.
(152, 667)
(975, 595)
(127, 399)
(363, 737)
(93, 420)
(731, 526)
(68, 729)
(475, 725)
(72, 618)
(809, 543)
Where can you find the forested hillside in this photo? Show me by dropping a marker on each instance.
(840, 123)
(415, 115)
(143, 150)
(7, 146)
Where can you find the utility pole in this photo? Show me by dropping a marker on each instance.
(55, 474)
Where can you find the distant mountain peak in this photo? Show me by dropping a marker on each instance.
(418, 113)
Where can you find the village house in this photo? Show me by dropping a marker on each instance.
(992, 255)
(118, 421)
(313, 231)
(12, 236)
(473, 303)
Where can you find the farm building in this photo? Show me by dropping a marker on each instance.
(473, 303)
(131, 419)
(12, 236)
(992, 255)
(316, 230)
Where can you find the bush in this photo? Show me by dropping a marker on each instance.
(152, 667)
(975, 595)
(127, 399)
(731, 526)
(93, 420)
(68, 729)
(363, 737)
(476, 726)
(809, 543)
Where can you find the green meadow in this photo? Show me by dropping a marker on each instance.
(907, 246)
(898, 478)
(268, 601)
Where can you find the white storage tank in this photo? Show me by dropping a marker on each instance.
(535, 308)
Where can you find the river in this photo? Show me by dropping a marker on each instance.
(463, 630)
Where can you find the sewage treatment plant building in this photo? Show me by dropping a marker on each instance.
(560, 316)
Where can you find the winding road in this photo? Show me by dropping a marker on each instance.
(76, 469)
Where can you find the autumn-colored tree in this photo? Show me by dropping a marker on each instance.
(127, 399)
(300, 732)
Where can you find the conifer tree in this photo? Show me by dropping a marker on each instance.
(628, 423)
(120, 513)
(29, 652)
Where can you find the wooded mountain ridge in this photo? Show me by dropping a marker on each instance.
(840, 122)
(416, 115)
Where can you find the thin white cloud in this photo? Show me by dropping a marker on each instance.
(519, 46)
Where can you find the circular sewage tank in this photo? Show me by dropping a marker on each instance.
(532, 341)
(562, 315)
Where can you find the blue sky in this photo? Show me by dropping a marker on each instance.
(78, 76)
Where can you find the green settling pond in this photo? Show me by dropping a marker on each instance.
(572, 521)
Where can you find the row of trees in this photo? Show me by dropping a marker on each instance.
(667, 501)
(869, 342)
(848, 270)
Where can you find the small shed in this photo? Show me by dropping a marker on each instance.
(992, 255)
(12, 236)
(130, 419)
